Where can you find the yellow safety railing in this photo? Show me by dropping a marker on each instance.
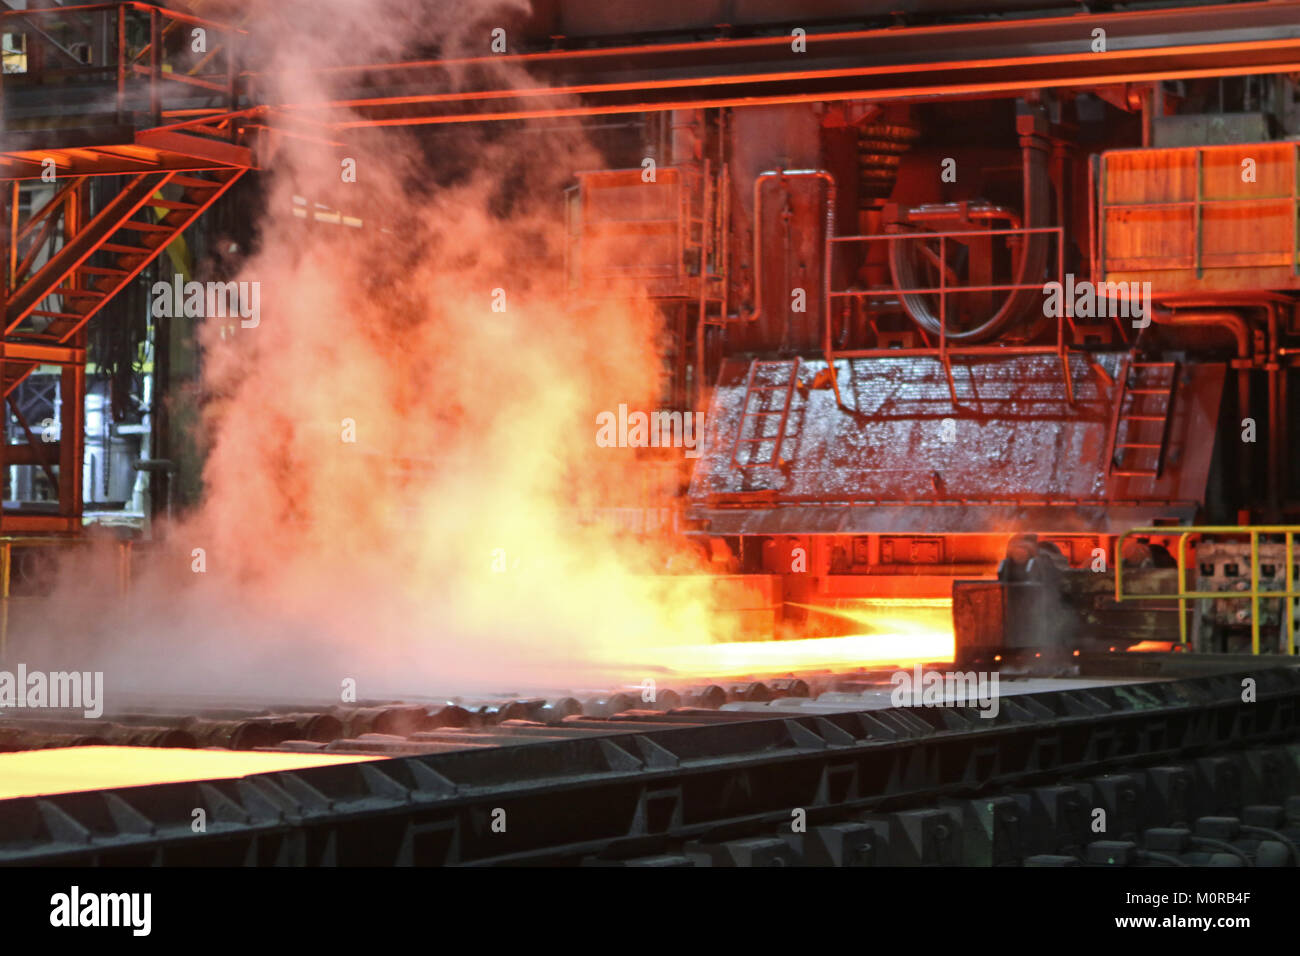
(7, 545)
(1287, 595)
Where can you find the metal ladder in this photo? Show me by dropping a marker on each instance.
(759, 414)
(1142, 382)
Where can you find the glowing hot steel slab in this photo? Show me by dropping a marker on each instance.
(72, 769)
(890, 631)
(821, 653)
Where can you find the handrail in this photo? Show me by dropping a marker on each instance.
(149, 61)
(944, 352)
(135, 5)
(1287, 595)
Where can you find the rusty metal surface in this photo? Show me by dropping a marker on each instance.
(1188, 219)
(1012, 453)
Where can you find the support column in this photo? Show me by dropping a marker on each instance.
(72, 387)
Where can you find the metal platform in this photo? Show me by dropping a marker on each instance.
(885, 465)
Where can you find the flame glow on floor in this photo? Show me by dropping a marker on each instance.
(72, 769)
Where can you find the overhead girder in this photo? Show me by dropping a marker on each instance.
(1004, 57)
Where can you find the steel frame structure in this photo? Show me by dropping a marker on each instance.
(67, 258)
(944, 352)
(156, 126)
(1003, 57)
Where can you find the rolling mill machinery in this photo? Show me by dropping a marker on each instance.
(990, 351)
(991, 323)
(963, 293)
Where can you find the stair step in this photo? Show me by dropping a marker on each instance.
(172, 204)
(193, 182)
(127, 250)
(58, 315)
(135, 226)
(102, 271)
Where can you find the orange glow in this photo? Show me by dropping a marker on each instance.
(438, 512)
(908, 633)
(1151, 647)
(883, 615)
(72, 769)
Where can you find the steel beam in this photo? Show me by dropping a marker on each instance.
(998, 57)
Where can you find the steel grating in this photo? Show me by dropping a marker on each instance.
(885, 466)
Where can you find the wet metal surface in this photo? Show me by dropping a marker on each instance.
(902, 456)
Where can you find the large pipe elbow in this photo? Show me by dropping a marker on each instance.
(1220, 318)
(782, 174)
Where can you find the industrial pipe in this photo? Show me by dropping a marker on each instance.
(783, 174)
(1234, 323)
(1222, 318)
(1277, 427)
(1021, 302)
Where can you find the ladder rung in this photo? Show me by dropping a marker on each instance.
(1135, 445)
(102, 271)
(1144, 418)
(57, 315)
(1136, 474)
(172, 204)
(1147, 391)
(127, 250)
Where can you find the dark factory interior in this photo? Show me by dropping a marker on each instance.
(726, 433)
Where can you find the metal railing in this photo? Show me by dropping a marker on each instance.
(943, 291)
(666, 216)
(1287, 595)
(104, 33)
